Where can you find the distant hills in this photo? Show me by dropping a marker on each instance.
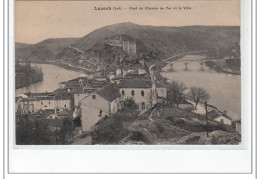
(47, 49)
(153, 42)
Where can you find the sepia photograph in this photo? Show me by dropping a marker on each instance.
(127, 73)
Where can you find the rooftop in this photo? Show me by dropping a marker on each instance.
(109, 92)
(135, 84)
(158, 85)
(215, 113)
(29, 94)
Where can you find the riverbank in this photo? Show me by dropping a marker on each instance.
(65, 66)
(53, 75)
(25, 77)
(230, 67)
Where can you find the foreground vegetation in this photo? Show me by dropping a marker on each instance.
(173, 126)
(39, 130)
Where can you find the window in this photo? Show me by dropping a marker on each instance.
(93, 96)
(132, 92)
(123, 92)
(100, 113)
(222, 121)
(41, 102)
(65, 105)
(143, 105)
(142, 92)
(49, 102)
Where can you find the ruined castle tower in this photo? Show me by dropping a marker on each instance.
(129, 47)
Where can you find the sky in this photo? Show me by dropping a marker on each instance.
(37, 21)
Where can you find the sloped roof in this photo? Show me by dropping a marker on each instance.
(215, 113)
(29, 94)
(109, 92)
(226, 116)
(38, 98)
(158, 85)
(135, 84)
(239, 121)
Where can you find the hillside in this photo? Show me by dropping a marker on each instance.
(168, 40)
(152, 42)
(19, 45)
(46, 49)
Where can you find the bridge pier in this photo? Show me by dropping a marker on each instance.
(201, 65)
(186, 66)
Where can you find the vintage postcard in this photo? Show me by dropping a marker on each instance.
(127, 73)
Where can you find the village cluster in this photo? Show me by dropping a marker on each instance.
(92, 98)
(103, 93)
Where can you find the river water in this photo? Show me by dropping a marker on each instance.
(52, 76)
(224, 89)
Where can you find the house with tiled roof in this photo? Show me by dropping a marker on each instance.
(81, 92)
(219, 116)
(98, 104)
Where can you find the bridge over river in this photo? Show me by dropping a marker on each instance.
(189, 61)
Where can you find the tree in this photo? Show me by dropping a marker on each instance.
(25, 130)
(175, 91)
(31, 130)
(131, 107)
(42, 132)
(66, 130)
(198, 95)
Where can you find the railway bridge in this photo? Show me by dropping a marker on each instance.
(187, 62)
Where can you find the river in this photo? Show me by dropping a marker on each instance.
(52, 76)
(224, 89)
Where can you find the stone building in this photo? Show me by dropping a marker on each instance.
(129, 47)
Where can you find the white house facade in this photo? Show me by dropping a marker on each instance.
(44, 103)
(142, 92)
(99, 104)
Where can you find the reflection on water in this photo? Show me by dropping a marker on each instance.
(224, 89)
(52, 76)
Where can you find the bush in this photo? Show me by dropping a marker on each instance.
(139, 137)
(193, 140)
(109, 131)
(176, 122)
